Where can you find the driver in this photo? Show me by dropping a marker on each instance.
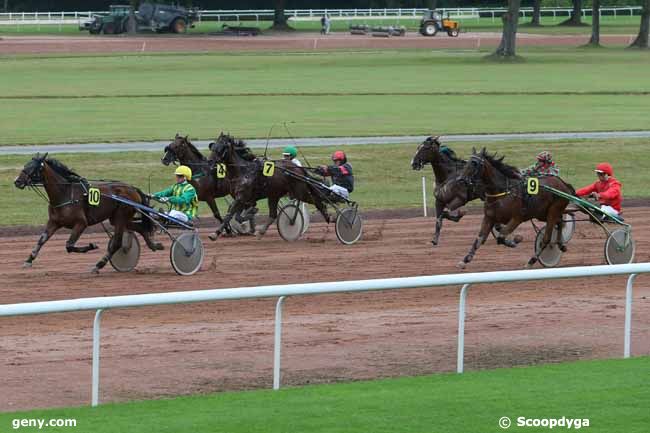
(607, 190)
(181, 196)
(341, 173)
(545, 166)
(290, 153)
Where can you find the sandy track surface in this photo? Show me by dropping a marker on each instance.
(295, 42)
(164, 351)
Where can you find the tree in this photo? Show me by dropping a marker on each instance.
(279, 19)
(537, 12)
(595, 24)
(6, 8)
(576, 15)
(641, 40)
(506, 49)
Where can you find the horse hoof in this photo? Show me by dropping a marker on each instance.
(94, 270)
(158, 247)
(27, 265)
(259, 235)
(213, 236)
(434, 243)
(518, 238)
(92, 246)
(563, 248)
(461, 265)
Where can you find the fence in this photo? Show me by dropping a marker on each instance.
(45, 18)
(283, 291)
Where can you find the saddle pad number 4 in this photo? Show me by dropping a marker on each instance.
(269, 168)
(221, 171)
(94, 196)
(532, 186)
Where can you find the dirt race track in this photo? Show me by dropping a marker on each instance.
(170, 350)
(293, 42)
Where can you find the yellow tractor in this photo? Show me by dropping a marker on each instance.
(433, 22)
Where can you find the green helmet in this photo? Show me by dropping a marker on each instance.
(291, 151)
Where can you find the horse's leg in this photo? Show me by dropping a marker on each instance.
(146, 235)
(504, 231)
(235, 207)
(486, 228)
(113, 245)
(273, 214)
(50, 229)
(440, 214)
(77, 230)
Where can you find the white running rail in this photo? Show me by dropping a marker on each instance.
(101, 304)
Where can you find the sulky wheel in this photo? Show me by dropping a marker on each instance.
(306, 218)
(290, 222)
(186, 253)
(619, 247)
(126, 258)
(569, 227)
(349, 226)
(551, 255)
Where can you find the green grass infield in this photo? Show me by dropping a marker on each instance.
(600, 396)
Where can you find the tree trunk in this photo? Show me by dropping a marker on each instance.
(595, 24)
(641, 40)
(6, 8)
(279, 19)
(433, 4)
(576, 15)
(510, 20)
(537, 12)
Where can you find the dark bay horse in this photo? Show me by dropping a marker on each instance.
(508, 203)
(69, 206)
(248, 183)
(450, 190)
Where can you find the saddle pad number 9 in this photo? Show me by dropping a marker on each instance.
(94, 196)
(221, 171)
(269, 168)
(532, 186)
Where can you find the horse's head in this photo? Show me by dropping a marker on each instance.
(32, 172)
(427, 152)
(221, 149)
(181, 150)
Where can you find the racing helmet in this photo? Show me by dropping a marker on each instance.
(339, 155)
(184, 170)
(605, 167)
(290, 151)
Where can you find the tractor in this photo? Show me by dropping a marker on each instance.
(433, 22)
(149, 17)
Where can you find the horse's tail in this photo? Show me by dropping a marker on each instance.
(147, 224)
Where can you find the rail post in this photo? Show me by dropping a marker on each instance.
(277, 348)
(461, 328)
(628, 315)
(96, 345)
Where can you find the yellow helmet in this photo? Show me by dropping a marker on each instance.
(184, 170)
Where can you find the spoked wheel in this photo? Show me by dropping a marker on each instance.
(349, 226)
(551, 255)
(619, 247)
(126, 258)
(186, 253)
(569, 227)
(291, 222)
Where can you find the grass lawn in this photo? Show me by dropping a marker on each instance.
(328, 94)
(384, 178)
(613, 395)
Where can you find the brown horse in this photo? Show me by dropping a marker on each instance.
(248, 183)
(507, 201)
(70, 206)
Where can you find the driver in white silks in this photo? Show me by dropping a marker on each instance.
(341, 174)
(181, 196)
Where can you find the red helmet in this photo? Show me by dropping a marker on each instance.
(339, 155)
(606, 168)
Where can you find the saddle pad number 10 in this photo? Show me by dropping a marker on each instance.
(269, 168)
(221, 171)
(532, 186)
(94, 196)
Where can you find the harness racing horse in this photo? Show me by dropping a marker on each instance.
(506, 203)
(68, 195)
(208, 187)
(249, 184)
(450, 191)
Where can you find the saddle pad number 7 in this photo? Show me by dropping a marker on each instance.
(532, 186)
(269, 168)
(94, 196)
